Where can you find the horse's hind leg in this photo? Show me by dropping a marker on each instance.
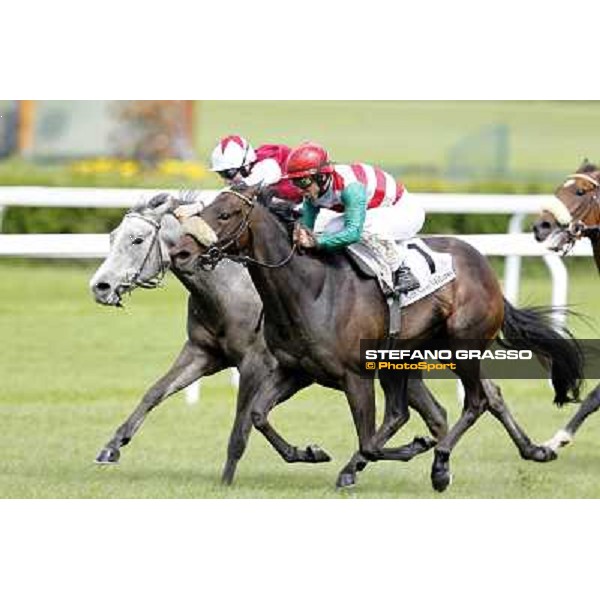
(498, 408)
(564, 436)
(475, 404)
(192, 363)
(260, 383)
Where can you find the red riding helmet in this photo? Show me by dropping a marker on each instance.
(307, 159)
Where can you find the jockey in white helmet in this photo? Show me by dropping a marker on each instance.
(236, 161)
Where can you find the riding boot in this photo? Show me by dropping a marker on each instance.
(404, 280)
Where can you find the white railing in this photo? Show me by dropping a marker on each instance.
(519, 206)
(90, 245)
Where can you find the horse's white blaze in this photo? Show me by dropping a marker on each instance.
(556, 208)
(561, 438)
(201, 230)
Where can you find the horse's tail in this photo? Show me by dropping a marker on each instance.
(534, 329)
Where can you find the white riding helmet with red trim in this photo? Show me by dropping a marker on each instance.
(232, 152)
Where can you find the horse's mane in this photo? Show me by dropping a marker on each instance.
(284, 211)
(184, 197)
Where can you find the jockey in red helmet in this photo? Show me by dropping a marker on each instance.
(236, 161)
(374, 207)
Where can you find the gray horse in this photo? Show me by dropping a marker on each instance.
(224, 329)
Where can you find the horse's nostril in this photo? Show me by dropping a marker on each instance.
(102, 286)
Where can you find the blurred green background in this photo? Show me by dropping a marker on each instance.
(434, 146)
(517, 141)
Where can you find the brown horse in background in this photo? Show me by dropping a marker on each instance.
(573, 213)
(317, 308)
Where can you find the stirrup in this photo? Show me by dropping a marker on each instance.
(405, 281)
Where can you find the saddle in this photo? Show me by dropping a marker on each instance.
(432, 269)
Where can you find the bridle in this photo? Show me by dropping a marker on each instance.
(155, 281)
(575, 228)
(217, 251)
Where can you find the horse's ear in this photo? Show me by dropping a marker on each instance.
(585, 165)
(255, 189)
(172, 203)
(163, 203)
(264, 194)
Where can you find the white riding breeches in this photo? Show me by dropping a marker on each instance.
(383, 227)
(398, 222)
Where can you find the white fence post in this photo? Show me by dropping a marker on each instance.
(512, 263)
(192, 393)
(560, 284)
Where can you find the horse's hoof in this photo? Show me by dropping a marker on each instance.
(316, 454)
(345, 480)
(440, 480)
(108, 456)
(543, 454)
(227, 479)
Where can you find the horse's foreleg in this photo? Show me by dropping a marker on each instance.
(396, 416)
(430, 410)
(238, 438)
(361, 399)
(498, 408)
(192, 363)
(564, 436)
(261, 387)
(275, 389)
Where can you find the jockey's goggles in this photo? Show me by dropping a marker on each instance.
(302, 182)
(228, 174)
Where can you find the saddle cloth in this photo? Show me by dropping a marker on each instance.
(432, 269)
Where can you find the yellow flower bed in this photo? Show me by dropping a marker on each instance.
(130, 168)
(186, 168)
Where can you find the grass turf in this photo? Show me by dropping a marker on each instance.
(71, 371)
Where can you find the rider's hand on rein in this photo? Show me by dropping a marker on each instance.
(303, 238)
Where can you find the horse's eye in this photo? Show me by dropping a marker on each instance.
(580, 192)
(137, 240)
(224, 216)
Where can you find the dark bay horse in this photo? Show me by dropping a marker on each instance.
(573, 213)
(224, 329)
(317, 309)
